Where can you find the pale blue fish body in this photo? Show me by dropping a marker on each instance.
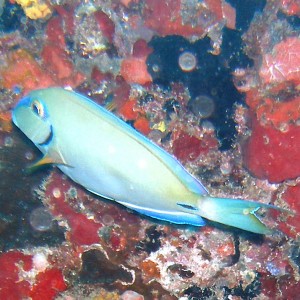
(111, 159)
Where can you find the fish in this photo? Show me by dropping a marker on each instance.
(109, 158)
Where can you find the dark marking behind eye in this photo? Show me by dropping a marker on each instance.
(187, 206)
(48, 139)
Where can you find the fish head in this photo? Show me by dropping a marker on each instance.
(31, 116)
(39, 115)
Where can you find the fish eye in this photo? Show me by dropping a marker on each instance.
(37, 108)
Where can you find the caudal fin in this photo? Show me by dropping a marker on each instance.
(242, 214)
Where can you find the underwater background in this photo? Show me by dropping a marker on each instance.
(216, 84)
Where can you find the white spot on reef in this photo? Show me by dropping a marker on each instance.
(40, 262)
(56, 193)
(187, 61)
(40, 219)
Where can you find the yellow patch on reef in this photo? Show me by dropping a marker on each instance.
(106, 295)
(35, 9)
(161, 126)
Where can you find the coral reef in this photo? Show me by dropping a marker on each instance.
(35, 9)
(229, 112)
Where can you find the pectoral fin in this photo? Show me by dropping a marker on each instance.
(52, 157)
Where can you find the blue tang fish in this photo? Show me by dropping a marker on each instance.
(109, 158)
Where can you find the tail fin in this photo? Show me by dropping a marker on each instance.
(238, 213)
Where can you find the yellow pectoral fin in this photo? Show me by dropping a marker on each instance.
(43, 161)
(53, 157)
